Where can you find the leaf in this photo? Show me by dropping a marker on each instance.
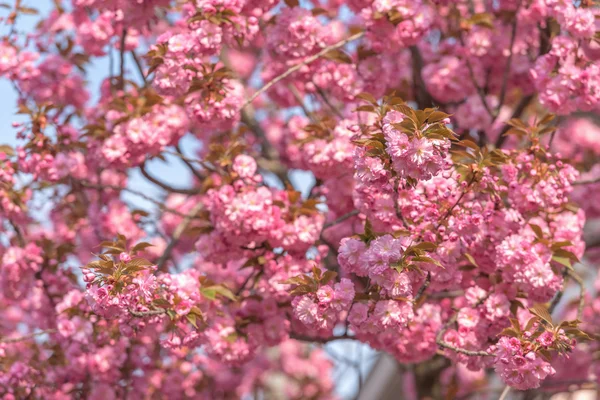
(338, 55)
(509, 332)
(162, 303)
(531, 322)
(471, 259)
(139, 262)
(365, 108)
(537, 230)
(171, 314)
(428, 246)
(141, 246)
(482, 19)
(300, 290)
(328, 276)
(367, 97)
(563, 261)
(558, 245)
(211, 292)
(292, 3)
(566, 254)
(437, 116)
(547, 119)
(468, 143)
(542, 311)
(6, 149)
(192, 319)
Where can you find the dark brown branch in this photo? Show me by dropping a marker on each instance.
(122, 60)
(341, 219)
(300, 102)
(423, 287)
(163, 185)
(139, 66)
(422, 96)
(134, 192)
(479, 89)
(516, 114)
(305, 338)
(440, 342)
(179, 230)
(326, 100)
(194, 171)
(513, 35)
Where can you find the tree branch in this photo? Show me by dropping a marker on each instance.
(422, 95)
(341, 219)
(179, 230)
(141, 314)
(513, 35)
(163, 185)
(440, 342)
(27, 337)
(516, 114)
(305, 338)
(194, 171)
(581, 285)
(302, 64)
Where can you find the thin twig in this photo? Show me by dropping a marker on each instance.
(341, 219)
(581, 285)
(306, 338)
(134, 192)
(479, 89)
(558, 296)
(300, 102)
(163, 185)
(587, 182)
(179, 230)
(516, 114)
(122, 60)
(139, 66)
(423, 287)
(141, 314)
(27, 337)
(326, 100)
(194, 171)
(296, 67)
(440, 341)
(504, 393)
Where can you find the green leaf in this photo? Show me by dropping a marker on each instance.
(192, 319)
(471, 259)
(211, 292)
(563, 261)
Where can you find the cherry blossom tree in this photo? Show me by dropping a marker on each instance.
(456, 162)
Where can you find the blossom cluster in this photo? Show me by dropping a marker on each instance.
(446, 207)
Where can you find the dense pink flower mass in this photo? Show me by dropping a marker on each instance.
(453, 156)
